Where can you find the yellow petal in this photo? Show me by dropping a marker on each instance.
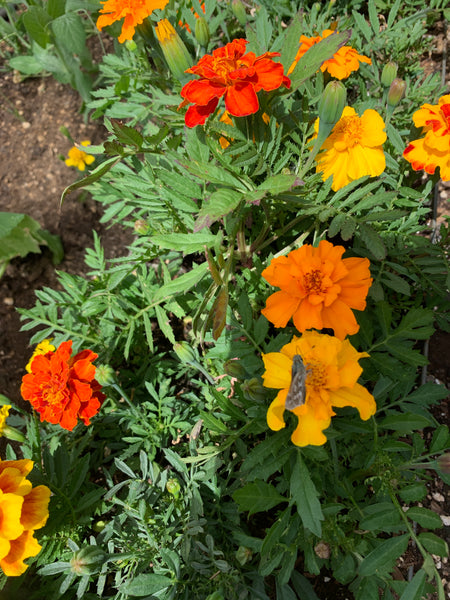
(358, 397)
(275, 412)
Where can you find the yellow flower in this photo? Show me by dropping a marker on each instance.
(4, 414)
(332, 372)
(341, 65)
(42, 348)
(23, 509)
(78, 158)
(353, 149)
(132, 11)
(433, 150)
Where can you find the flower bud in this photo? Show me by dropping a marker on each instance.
(130, 45)
(173, 487)
(389, 73)
(88, 560)
(239, 12)
(175, 52)
(322, 549)
(185, 352)
(99, 526)
(105, 375)
(202, 31)
(243, 554)
(141, 227)
(253, 390)
(234, 368)
(396, 92)
(444, 463)
(332, 103)
(11, 433)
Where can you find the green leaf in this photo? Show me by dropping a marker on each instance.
(413, 492)
(127, 135)
(303, 588)
(372, 240)
(36, 21)
(396, 283)
(219, 204)
(414, 589)
(188, 243)
(425, 517)
(383, 557)
(257, 497)
(277, 184)
(146, 584)
(291, 41)
(28, 65)
(70, 33)
(306, 497)
(56, 8)
(433, 543)
(380, 516)
(93, 176)
(183, 283)
(406, 422)
(441, 439)
(164, 323)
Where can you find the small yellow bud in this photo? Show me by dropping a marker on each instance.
(175, 52)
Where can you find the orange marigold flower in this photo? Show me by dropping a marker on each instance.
(23, 509)
(132, 11)
(332, 372)
(353, 149)
(62, 388)
(318, 289)
(233, 74)
(344, 61)
(433, 150)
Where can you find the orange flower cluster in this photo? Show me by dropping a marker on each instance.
(344, 61)
(132, 11)
(62, 388)
(318, 289)
(23, 509)
(433, 150)
(234, 74)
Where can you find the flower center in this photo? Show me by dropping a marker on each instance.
(316, 375)
(313, 282)
(349, 130)
(224, 66)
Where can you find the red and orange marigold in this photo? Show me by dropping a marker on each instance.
(62, 388)
(433, 150)
(319, 289)
(234, 74)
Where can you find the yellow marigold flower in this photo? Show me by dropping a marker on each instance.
(23, 509)
(433, 150)
(132, 11)
(332, 372)
(318, 289)
(344, 61)
(353, 149)
(78, 158)
(4, 414)
(42, 348)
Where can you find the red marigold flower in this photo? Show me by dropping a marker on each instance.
(234, 74)
(62, 388)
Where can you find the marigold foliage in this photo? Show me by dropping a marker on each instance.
(433, 150)
(23, 509)
(319, 289)
(62, 388)
(332, 374)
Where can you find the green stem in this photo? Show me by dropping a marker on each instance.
(38, 439)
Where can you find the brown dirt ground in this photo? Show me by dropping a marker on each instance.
(32, 177)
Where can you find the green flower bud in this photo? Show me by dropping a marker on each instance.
(173, 487)
(389, 73)
(185, 352)
(202, 31)
(130, 45)
(141, 227)
(11, 433)
(105, 375)
(253, 390)
(234, 368)
(243, 554)
(396, 92)
(239, 12)
(444, 463)
(88, 560)
(175, 52)
(99, 526)
(332, 103)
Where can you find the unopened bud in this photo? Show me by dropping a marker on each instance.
(243, 554)
(202, 31)
(11, 433)
(234, 368)
(130, 45)
(332, 103)
(444, 463)
(141, 226)
(322, 550)
(105, 375)
(253, 390)
(173, 487)
(396, 92)
(389, 73)
(239, 12)
(185, 352)
(87, 561)
(99, 526)
(175, 52)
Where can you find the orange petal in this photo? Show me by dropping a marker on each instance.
(280, 307)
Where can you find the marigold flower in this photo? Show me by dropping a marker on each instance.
(42, 348)
(344, 61)
(4, 414)
(332, 371)
(62, 388)
(132, 11)
(353, 149)
(78, 158)
(433, 150)
(318, 289)
(233, 74)
(23, 509)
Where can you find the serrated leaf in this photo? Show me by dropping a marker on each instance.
(92, 177)
(383, 557)
(188, 243)
(306, 497)
(406, 422)
(440, 440)
(425, 517)
(182, 284)
(219, 204)
(372, 241)
(433, 543)
(277, 184)
(146, 584)
(127, 135)
(70, 32)
(396, 283)
(36, 21)
(257, 497)
(414, 589)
